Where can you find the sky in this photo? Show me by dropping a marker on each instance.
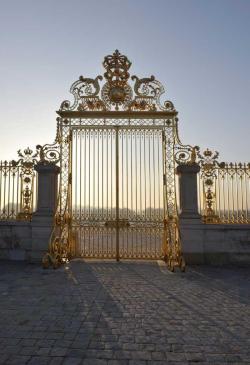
(199, 50)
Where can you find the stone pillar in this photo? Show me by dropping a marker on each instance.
(188, 190)
(190, 220)
(42, 219)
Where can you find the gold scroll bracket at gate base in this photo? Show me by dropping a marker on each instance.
(59, 247)
(173, 255)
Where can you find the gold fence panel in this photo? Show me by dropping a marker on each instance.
(18, 187)
(224, 190)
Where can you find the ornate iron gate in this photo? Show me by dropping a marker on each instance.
(117, 148)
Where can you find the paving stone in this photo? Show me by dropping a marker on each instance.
(56, 360)
(39, 360)
(28, 350)
(124, 313)
(99, 354)
(58, 351)
(93, 361)
(43, 351)
(72, 361)
(156, 355)
(141, 355)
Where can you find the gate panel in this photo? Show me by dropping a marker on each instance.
(93, 191)
(117, 191)
(141, 205)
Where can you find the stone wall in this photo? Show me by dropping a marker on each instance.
(215, 244)
(15, 240)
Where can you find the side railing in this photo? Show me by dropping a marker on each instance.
(224, 190)
(18, 187)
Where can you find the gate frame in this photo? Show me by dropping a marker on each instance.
(117, 128)
(115, 103)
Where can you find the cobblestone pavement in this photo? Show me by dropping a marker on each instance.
(129, 313)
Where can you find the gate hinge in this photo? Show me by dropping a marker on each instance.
(70, 178)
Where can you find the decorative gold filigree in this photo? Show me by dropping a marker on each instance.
(85, 92)
(60, 243)
(172, 249)
(117, 93)
(49, 153)
(27, 161)
(209, 162)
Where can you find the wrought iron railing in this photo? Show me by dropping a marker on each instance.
(224, 190)
(18, 187)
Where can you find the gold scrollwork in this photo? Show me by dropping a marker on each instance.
(208, 161)
(27, 160)
(48, 153)
(117, 93)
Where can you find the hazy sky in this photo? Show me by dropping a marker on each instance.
(199, 50)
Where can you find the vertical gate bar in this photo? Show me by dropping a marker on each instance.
(122, 187)
(231, 199)
(237, 196)
(84, 176)
(140, 191)
(131, 170)
(127, 217)
(80, 187)
(127, 169)
(117, 192)
(98, 174)
(149, 172)
(159, 172)
(107, 182)
(94, 191)
(246, 195)
(1, 189)
(164, 190)
(145, 177)
(131, 190)
(224, 198)
(154, 172)
(219, 196)
(98, 189)
(13, 193)
(94, 181)
(228, 199)
(76, 173)
(242, 197)
(89, 172)
(102, 218)
(18, 189)
(102, 136)
(70, 206)
(111, 173)
(140, 144)
(122, 175)
(135, 174)
(10, 167)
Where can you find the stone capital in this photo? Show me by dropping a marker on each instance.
(47, 168)
(193, 168)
